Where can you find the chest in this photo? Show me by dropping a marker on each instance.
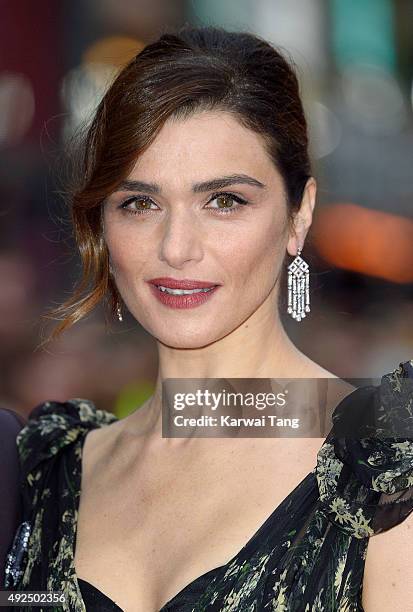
(147, 529)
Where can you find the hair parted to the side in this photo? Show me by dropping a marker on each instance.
(194, 69)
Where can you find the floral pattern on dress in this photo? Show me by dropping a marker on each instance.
(307, 556)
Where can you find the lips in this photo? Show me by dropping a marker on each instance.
(185, 283)
(183, 300)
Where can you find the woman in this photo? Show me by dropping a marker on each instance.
(197, 177)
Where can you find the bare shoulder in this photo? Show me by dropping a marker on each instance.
(388, 579)
(99, 446)
(318, 371)
(311, 369)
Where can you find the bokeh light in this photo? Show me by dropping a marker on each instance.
(325, 129)
(367, 241)
(84, 86)
(374, 99)
(17, 106)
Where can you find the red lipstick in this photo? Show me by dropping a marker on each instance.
(160, 285)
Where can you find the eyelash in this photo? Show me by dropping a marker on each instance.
(222, 211)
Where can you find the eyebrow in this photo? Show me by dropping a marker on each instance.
(210, 185)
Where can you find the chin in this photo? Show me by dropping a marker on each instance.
(186, 343)
(187, 340)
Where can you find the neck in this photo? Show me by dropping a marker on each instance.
(258, 348)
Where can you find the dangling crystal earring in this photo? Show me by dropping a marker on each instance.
(119, 311)
(298, 288)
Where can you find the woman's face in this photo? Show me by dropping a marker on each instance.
(232, 234)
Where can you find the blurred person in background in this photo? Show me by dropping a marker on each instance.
(197, 186)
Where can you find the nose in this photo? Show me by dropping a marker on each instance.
(181, 240)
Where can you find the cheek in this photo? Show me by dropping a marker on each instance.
(255, 254)
(127, 252)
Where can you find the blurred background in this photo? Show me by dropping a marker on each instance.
(355, 65)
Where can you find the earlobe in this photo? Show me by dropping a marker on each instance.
(297, 236)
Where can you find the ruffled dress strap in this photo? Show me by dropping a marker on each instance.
(365, 466)
(49, 449)
(54, 425)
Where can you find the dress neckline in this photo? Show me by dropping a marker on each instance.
(245, 548)
(101, 593)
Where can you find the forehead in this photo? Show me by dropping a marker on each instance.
(207, 143)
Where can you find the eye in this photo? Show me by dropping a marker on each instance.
(137, 200)
(224, 200)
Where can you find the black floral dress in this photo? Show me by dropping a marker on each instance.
(309, 554)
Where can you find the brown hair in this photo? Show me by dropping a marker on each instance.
(195, 69)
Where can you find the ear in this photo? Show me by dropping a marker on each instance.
(303, 218)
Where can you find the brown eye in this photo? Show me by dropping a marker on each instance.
(226, 202)
(141, 205)
(145, 204)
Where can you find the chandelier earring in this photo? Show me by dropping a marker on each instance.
(298, 288)
(119, 311)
